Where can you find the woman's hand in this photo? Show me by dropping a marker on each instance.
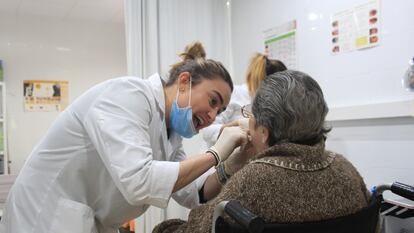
(239, 157)
(243, 123)
(230, 138)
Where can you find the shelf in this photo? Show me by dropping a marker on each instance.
(372, 111)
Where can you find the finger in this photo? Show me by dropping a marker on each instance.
(243, 123)
(243, 138)
(234, 123)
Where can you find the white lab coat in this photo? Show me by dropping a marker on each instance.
(239, 98)
(104, 160)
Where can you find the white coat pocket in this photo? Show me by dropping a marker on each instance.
(72, 217)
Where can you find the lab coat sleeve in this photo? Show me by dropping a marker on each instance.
(188, 196)
(118, 126)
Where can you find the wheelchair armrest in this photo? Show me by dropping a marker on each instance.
(218, 211)
(241, 215)
(403, 190)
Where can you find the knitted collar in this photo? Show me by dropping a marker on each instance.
(296, 156)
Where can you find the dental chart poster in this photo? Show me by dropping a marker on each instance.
(45, 95)
(280, 43)
(355, 28)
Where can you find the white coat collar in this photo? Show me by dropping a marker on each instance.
(157, 84)
(158, 90)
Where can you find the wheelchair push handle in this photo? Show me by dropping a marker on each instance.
(244, 217)
(403, 190)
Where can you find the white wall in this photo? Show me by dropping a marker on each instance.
(183, 21)
(83, 52)
(381, 148)
(373, 75)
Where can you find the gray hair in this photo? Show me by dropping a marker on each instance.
(291, 105)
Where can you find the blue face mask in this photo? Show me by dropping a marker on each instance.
(181, 119)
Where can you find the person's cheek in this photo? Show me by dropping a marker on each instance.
(251, 124)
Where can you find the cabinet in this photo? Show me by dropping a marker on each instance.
(3, 131)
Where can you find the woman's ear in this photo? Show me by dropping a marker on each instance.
(182, 80)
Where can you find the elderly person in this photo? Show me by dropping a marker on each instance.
(292, 178)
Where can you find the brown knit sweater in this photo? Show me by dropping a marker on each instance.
(286, 183)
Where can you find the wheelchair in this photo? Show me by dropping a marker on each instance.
(364, 221)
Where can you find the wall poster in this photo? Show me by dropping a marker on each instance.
(45, 95)
(355, 28)
(280, 43)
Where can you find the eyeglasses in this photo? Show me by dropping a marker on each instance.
(246, 111)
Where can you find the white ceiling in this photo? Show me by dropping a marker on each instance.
(93, 10)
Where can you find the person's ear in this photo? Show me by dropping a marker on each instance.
(264, 134)
(183, 80)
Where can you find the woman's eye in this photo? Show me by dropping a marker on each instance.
(213, 102)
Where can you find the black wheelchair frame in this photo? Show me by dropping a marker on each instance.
(364, 221)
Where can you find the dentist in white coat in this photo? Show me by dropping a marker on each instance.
(117, 149)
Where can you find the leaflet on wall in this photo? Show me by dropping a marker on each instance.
(355, 28)
(45, 95)
(280, 43)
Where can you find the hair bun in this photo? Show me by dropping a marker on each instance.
(193, 51)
